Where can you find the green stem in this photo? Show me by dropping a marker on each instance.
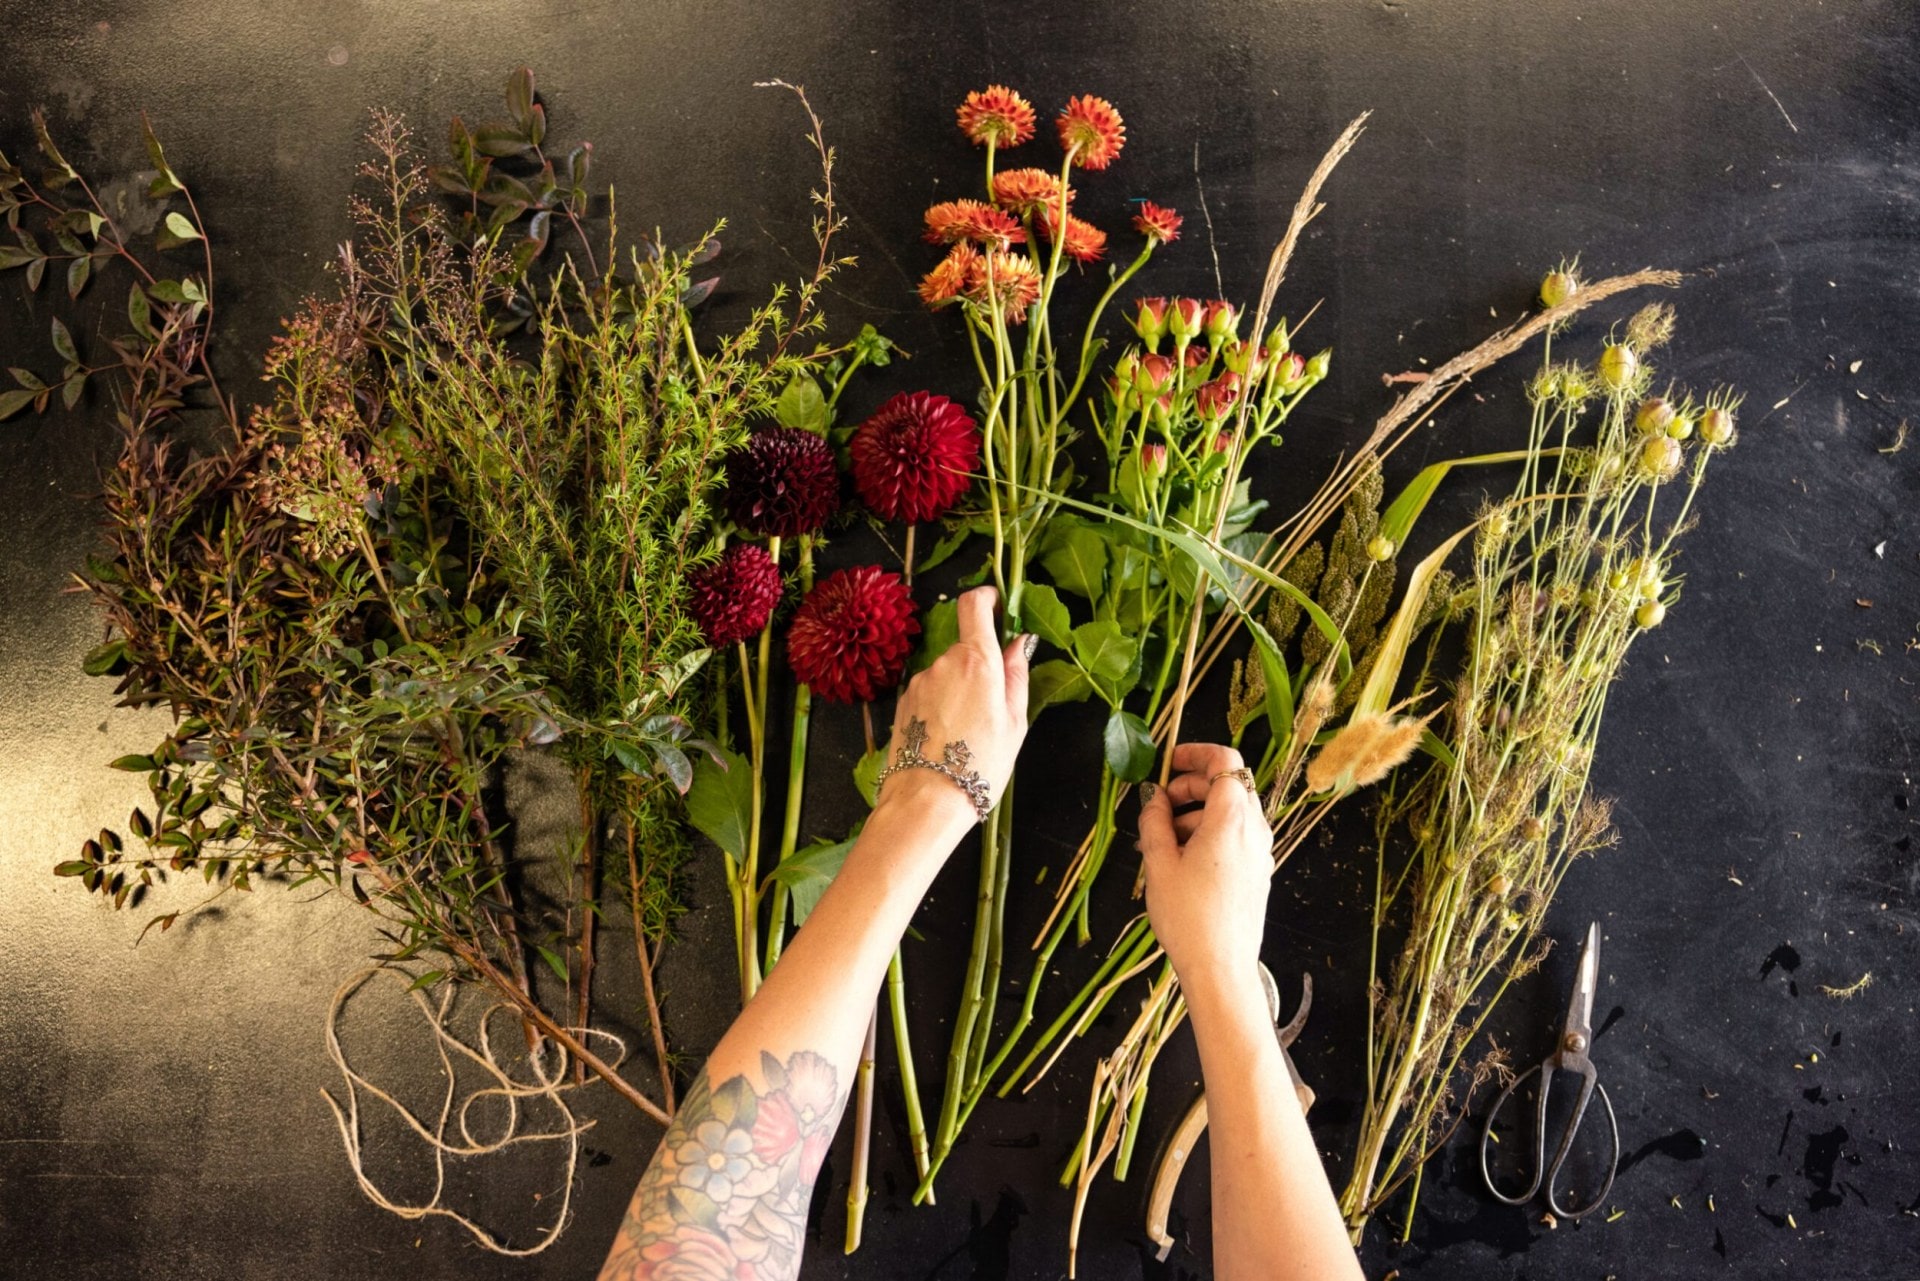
(909, 1078)
(796, 779)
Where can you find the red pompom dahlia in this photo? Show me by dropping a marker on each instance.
(783, 483)
(1157, 222)
(911, 459)
(1092, 130)
(733, 598)
(998, 115)
(849, 638)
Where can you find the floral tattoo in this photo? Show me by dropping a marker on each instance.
(726, 1196)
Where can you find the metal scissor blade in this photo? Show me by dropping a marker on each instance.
(1585, 984)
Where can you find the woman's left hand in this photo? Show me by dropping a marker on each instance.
(976, 694)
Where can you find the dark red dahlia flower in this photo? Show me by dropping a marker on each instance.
(733, 598)
(782, 483)
(849, 638)
(911, 459)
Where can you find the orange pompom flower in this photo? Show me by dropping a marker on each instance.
(1009, 279)
(1092, 130)
(1157, 222)
(1083, 241)
(1028, 191)
(955, 220)
(947, 281)
(996, 115)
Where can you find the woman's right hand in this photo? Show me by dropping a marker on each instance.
(1207, 871)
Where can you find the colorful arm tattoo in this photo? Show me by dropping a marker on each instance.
(726, 1196)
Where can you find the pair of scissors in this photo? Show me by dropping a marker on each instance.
(1570, 1056)
(1187, 1133)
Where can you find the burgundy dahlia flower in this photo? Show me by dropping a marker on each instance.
(911, 459)
(733, 598)
(782, 483)
(849, 638)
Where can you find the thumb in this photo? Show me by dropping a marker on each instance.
(1158, 843)
(1018, 658)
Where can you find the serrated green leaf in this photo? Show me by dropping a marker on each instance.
(1046, 616)
(802, 405)
(940, 629)
(808, 872)
(720, 802)
(1076, 558)
(1055, 681)
(1103, 649)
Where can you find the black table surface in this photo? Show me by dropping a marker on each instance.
(162, 1103)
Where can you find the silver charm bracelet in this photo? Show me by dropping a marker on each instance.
(956, 759)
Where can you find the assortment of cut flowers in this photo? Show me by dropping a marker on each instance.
(440, 576)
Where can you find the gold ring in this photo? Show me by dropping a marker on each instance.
(1245, 776)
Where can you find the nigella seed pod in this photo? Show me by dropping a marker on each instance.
(1380, 548)
(1500, 886)
(1558, 287)
(1650, 614)
(1654, 416)
(1618, 366)
(1532, 828)
(1716, 427)
(1660, 458)
(1680, 428)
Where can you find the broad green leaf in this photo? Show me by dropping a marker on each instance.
(12, 402)
(720, 802)
(1108, 655)
(1279, 700)
(164, 182)
(133, 763)
(1055, 681)
(77, 273)
(808, 872)
(1129, 746)
(520, 94)
(802, 405)
(940, 628)
(26, 378)
(182, 229)
(866, 772)
(103, 660)
(1396, 522)
(63, 342)
(1046, 615)
(949, 543)
(1377, 694)
(139, 311)
(426, 980)
(554, 960)
(1076, 558)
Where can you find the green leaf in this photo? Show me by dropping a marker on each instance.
(1055, 681)
(1396, 522)
(140, 312)
(807, 873)
(77, 272)
(1076, 558)
(168, 291)
(802, 406)
(720, 802)
(520, 94)
(104, 660)
(1046, 616)
(866, 773)
(180, 229)
(1391, 649)
(26, 378)
(675, 765)
(70, 392)
(1104, 650)
(12, 402)
(63, 342)
(1279, 701)
(1129, 746)
(164, 182)
(35, 270)
(949, 543)
(554, 960)
(16, 256)
(426, 980)
(133, 763)
(72, 867)
(940, 629)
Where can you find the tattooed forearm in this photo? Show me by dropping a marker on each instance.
(726, 1196)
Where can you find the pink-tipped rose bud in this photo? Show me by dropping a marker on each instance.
(1150, 321)
(1318, 366)
(1160, 411)
(1214, 399)
(1243, 359)
(1125, 367)
(1197, 356)
(1153, 463)
(1183, 318)
(1290, 370)
(1154, 375)
(1279, 341)
(1221, 321)
(1222, 442)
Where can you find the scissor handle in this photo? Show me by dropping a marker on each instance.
(1544, 1171)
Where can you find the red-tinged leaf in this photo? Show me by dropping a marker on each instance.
(579, 161)
(699, 292)
(72, 867)
(537, 231)
(709, 250)
(164, 182)
(139, 312)
(15, 256)
(71, 391)
(520, 94)
(497, 140)
(77, 272)
(26, 378)
(133, 763)
(449, 179)
(12, 402)
(35, 270)
(164, 922)
(536, 124)
(63, 342)
(142, 826)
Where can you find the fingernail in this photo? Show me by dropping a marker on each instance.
(1028, 644)
(1147, 792)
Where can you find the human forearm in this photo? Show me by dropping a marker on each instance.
(733, 1175)
(1274, 1215)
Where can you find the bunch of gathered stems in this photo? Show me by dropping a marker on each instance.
(1567, 573)
(457, 532)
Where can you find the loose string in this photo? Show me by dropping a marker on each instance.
(547, 1063)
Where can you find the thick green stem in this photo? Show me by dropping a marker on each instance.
(862, 1130)
(796, 780)
(970, 996)
(909, 1078)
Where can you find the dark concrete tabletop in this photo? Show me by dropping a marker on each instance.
(162, 1111)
